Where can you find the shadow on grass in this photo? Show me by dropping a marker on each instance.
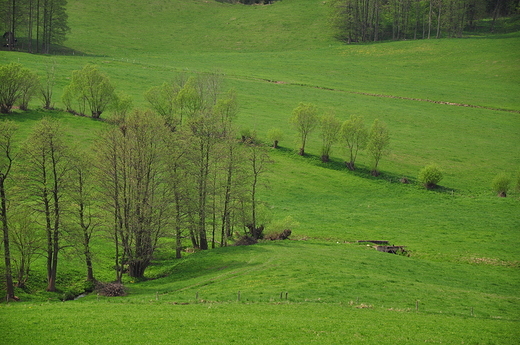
(361, 171)
(206, 263)
(22, 46)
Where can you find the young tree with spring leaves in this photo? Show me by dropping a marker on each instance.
(378, 141)
(354, 134)
(304, 119)
(90, 88)
(17, 82)
(330, 129)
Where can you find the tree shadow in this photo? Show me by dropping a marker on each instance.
(23, 45)
(362, 171)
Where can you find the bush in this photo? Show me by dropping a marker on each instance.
(111, 289)
(501, 184)
(430, 176)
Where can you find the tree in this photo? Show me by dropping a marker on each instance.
(29, 86)
(47, 164)
(275, 135)
(121, 106)
(17, 82)
(430, 176)
(330, 129)
(89, 87)
(354, 134)
(162, 100)
(131, 169)
(7, 130)
(46, 88)
(378, 141)
(28, 243)
(304, 119)
(82, 195)
(258, 161)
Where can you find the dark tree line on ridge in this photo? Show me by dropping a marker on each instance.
(42, 22)
(179, 171)
(377, 20)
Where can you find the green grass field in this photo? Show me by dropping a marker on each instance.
(463, 240)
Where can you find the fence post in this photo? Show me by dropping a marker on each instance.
(416, 306)
(238, 296)
(157, 295)
(197, 296)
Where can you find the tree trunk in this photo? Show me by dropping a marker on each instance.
(302, 151)
(439, 21)
(325, 158)
(7, 253)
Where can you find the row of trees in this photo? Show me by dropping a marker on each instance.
(43, 22)
(181, 174)
(352, 134)
(375, 20)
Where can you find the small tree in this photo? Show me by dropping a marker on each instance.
(330, 129)
(304, 119)
(275, 135)
(92, 88)
(29, 87)
(354, 134)
(47, 86)
(16, 82)
(121, 106)
(430, 176)
(501, 184)
(378, 141)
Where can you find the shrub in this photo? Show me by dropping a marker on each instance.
(430, 176)
(111, 289)
(501, 184)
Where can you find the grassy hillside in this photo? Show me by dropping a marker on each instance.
(463, 240)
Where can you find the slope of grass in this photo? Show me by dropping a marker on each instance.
(463, 241)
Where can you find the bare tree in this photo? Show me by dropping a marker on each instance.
(7, 129)
(131, 169)
(47, 165)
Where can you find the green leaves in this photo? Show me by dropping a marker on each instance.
(430, 176)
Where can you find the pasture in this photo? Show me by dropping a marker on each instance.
(463, 241)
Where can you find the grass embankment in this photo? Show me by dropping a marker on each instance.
(463, 240)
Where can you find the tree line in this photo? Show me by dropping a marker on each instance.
(42, 22)
(352, 134)
(376, 20)
(178, 170)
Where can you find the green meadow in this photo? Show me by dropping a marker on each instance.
(460, 282)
